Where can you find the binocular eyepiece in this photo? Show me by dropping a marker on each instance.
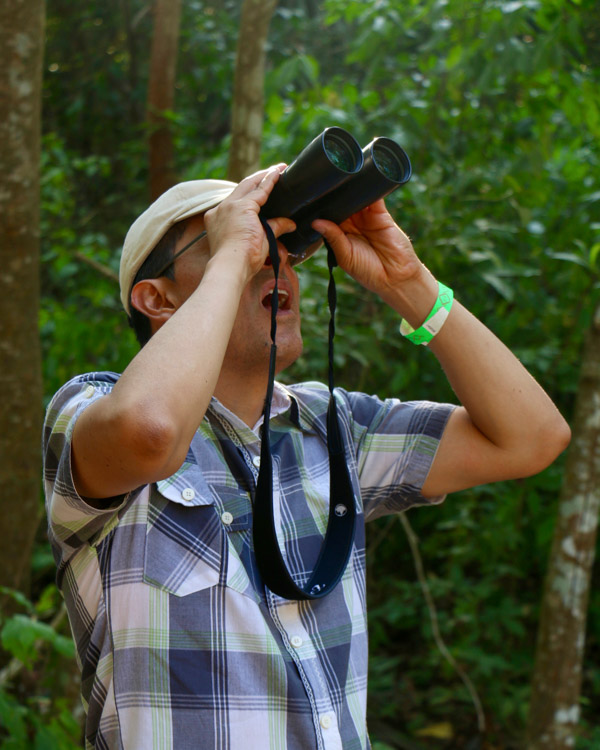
(333, 178)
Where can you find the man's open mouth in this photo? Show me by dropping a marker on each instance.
(283, 298)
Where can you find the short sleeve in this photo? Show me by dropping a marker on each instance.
(71, 520)
(395, 443)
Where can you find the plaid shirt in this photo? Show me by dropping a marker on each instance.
(179, 644)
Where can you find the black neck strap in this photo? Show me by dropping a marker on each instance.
(339, 536)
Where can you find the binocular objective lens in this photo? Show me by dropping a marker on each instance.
(339, 153)
(389, 163)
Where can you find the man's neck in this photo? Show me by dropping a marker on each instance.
(245, 397)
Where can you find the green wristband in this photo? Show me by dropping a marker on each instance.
(434, 321)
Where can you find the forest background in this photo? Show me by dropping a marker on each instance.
(496, 103)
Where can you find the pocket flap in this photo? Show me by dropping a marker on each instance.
(184, 547)
(189, 548)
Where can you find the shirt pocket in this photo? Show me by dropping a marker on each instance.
(189, 548)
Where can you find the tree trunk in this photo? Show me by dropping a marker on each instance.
(554, 709)
(21, 60)
(135, 110)
(248, 89)
(161, 95)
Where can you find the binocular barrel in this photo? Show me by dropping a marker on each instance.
(333, 178)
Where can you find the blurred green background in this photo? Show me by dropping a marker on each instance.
(497, 105)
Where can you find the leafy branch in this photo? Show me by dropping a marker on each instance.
(437, 636)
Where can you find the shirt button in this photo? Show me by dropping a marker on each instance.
(227, 517)
(325, 721)
(296, 641)
(188, 494)
(89, 391)
(256, 461)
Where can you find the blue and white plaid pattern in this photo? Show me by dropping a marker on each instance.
(180, 645)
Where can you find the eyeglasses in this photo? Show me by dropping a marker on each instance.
(161, 271)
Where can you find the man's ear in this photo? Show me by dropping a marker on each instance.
(156, 299)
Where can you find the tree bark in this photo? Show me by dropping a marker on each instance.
(556, 686)
(135, 110)
(21, 61)
(248, 89)
(161, 95)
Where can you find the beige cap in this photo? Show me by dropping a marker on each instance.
(179, 202)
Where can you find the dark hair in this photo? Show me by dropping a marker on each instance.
(159, 256)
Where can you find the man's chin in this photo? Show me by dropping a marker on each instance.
(287, 354)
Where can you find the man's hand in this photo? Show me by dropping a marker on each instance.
(234, 227)
(372, 248)
(507, 427)
(141, 431)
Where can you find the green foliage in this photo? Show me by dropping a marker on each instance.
(496, 103)
(76, 297)
(487, 609)
(21, 636)
(589, 738)
(33, 713)
(28, 726)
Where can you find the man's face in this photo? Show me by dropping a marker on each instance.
(250, 342)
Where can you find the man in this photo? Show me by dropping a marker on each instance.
(150, 479)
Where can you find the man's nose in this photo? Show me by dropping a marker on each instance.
(283, 255)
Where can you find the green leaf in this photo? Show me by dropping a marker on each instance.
(594, 251)
(499, 285)
(48, 602)
(12, 719)
(454, 57)
(569, 258)
(20, 635)
(18, 597)
(64, 645)
(274, 109)
(370, 100)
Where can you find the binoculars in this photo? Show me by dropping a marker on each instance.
(333, 178)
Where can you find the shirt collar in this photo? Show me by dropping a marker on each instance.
(283, 401)
(190, 475)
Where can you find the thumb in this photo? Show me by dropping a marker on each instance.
(337, 238)
(281, 225)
